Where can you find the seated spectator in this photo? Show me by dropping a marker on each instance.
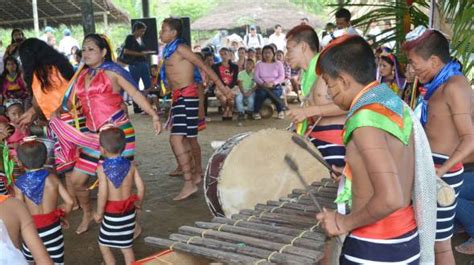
(241, 57)
(247, 89)
(228, 73)
(280, 56)
(258, 54)
(154, 92)
(390, 72)
(252, 54)
(17, 39)
(269, 74)
(12, 83)
(207, 83)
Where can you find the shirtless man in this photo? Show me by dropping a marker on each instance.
(446, 116)
(179, 63)
(303, 46)
(41, 191)
(379, 159)
(21, 227)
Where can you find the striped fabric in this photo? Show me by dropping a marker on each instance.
(328, 140)
(184, 116)
(3, 184)
(69, 138)
(401, 250)
(52, 236)
(118, 224)
(445, 215)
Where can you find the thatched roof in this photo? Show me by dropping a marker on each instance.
(263, 13)
(19, 13)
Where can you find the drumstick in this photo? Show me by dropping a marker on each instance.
(292, 164)
(312, 127)
(297, 140)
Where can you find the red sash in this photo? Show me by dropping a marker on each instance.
(121, 207)
(44, 220)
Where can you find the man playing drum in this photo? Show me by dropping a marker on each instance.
(379, 135)
(326, 135)
(446, 116)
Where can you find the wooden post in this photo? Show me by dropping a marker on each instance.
(35, 17)
(145, 8)
(88, 23)
(106, 22)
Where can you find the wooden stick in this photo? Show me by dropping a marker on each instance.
(278, 217)
(274, 229)
(272, 237)
(277, 209)
(250, 241)
(242, 249)
(204, 252)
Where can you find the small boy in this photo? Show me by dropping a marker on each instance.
(154, 92)
(247, 89)
(40, 190)
(115, 202)
(14, 112)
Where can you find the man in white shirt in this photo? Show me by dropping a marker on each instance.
(252, 39)
(278, 38)
(67, 42)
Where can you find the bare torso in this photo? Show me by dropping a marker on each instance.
(125, 189)
(440, 128)
(179, 71)
(10, 218)
(320, 96)
(362, 188)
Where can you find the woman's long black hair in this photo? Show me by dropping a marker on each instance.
(38, 58)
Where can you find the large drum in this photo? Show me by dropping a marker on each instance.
(249, 168)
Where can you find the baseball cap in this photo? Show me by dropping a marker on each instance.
(49, 29)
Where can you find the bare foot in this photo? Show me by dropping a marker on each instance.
(198, 179)
(84, 225)
(137, 232)
(189, 189)
(466, 247)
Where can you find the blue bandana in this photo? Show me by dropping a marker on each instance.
(450, 69)
(168, 51)
(116, 169)
(32, 184)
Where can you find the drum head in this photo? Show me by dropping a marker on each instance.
(255, 170)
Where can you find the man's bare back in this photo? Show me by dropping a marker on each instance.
(51, 193)
(389, 157)
(125, 189)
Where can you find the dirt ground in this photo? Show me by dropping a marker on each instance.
(162, 216)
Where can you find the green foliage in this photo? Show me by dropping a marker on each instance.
(318, 7)
(193, 9)
(460, 13)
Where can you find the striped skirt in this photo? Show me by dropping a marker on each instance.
(445, 215)
(118, 224)
(3, 184)
(328, 140)
(50, 232)
(401, 250)
(185, 117)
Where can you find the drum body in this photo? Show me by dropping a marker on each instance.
(249, 168)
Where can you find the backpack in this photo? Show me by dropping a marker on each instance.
(259, 37)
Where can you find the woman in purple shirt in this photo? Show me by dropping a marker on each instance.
(269, 74)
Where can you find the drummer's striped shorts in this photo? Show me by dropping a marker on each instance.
(328, 140)
(401, 250)
(184, 116)
(445, 215)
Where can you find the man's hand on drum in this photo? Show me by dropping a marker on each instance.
(297, 115)
(331, 222)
